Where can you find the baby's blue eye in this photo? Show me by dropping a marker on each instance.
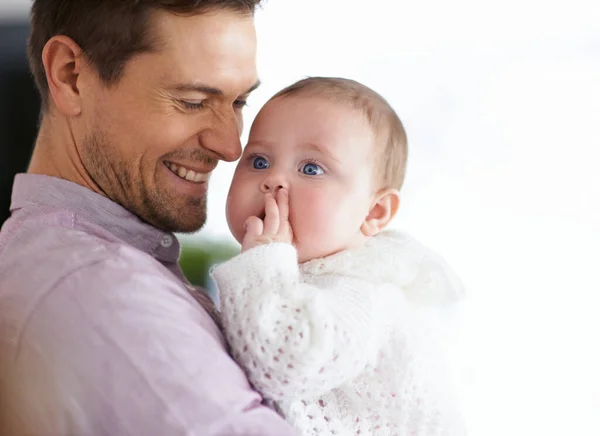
(312, 169)
(260, 163)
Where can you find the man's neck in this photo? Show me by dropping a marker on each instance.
(56, 154)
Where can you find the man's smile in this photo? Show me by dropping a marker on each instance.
(187, 173)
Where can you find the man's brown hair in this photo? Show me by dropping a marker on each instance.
(391, 144)
(110, 32)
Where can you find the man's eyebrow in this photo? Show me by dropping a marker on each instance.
(252, 88)
(198, 87)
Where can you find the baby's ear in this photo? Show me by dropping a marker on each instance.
(385, 207)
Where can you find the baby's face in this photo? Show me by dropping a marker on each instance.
(322, 153)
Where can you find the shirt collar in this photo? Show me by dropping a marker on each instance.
(40, 190)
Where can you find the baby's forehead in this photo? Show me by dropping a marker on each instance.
(341, 147)
(357, 105)
(315, 99)
(334, 125)
(324, 113)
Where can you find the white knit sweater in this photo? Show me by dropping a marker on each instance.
(343, 345)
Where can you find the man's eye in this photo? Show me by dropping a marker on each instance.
(260, 163)
(311, 169)
(192, 106)
(240, 103)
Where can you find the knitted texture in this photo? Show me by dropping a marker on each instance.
(344, 345)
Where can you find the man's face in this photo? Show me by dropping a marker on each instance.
(151, 141)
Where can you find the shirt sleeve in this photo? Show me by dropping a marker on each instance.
(297, 339)
(116, 350)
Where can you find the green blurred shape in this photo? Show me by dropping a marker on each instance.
(197, 257)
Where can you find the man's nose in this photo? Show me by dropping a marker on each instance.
(223, 137)
(273, 183)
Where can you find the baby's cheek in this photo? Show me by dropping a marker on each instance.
(236, 211)
(314, 218)
(309, 204)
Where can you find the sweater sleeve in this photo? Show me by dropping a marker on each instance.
(294, 338)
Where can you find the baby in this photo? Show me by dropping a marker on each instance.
(324, 308)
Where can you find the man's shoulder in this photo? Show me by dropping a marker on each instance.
(58, 258)
(70, 270)
(68, 247)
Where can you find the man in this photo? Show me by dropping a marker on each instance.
(100, 333)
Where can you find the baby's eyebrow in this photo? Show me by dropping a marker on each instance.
(321, 150)
(263, 144)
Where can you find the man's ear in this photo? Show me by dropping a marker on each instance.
(385, 207)
(63, 61)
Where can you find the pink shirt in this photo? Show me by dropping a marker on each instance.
(99, 333)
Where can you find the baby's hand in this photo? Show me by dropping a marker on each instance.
(276, 225)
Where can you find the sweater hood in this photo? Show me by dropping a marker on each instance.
(393, 257)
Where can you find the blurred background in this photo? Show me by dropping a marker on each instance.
(501, 101)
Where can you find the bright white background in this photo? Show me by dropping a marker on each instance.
(501, 101)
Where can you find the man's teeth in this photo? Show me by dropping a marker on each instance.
(184, 173)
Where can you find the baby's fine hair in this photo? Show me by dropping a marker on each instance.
(391, 142)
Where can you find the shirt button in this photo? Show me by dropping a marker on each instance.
(167, 241)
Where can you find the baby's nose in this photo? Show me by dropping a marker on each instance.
(271, 187)
(273, 184)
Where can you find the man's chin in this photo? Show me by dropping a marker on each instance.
(181, 223)
(177, 215)
(188, 228)
(184, 224)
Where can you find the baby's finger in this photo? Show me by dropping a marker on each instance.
(285, 233)
(253, 226)
(284, 205)
(271, 221)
